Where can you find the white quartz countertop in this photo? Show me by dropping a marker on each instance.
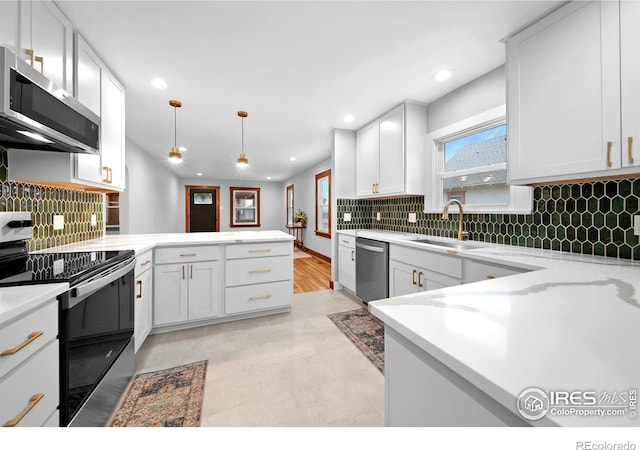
(16, 300)
(143, 242)
(573, 324)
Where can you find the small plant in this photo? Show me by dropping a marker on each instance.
(300, 217)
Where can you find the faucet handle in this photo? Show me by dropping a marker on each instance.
(463, 236)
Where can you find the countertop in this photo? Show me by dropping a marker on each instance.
(17, 300)
(571, 324)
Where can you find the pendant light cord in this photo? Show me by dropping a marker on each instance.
(242, 141)
(175, 128)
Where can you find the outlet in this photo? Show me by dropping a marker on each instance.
(346, 217)
(94, 220)
(412, 218)
(58, 221)
(377, 216)
(636, 225)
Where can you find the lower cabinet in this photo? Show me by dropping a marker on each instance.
(478, 271)
(347, 262)
(143, 298)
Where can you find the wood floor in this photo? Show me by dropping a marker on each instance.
(310, 274)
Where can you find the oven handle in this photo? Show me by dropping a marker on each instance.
(88, 287)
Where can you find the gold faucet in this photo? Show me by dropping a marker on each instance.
(462, 235)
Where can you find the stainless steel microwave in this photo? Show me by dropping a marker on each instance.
(36, 114)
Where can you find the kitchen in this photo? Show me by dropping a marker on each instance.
(153, 197)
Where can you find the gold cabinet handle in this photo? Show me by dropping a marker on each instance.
(146, 262)
(630, 148)
(40, 59)
(490, 277)
(31, 54)
(110, 175)
(106, 174)
(183, 272)
(609, 145)
(420, 280)
(353, 255)
(413, 277)
(345, 241)
(30, 338)
(260, 250)
(191, 271)
(260, 271)
(33, 401)
(261, 297)
(187, 254)
(139, 284)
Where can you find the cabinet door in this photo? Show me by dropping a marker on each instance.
(9, 20)
(391, 172)
(46, 31)
(428, 280)
(88, 76)
(367, 153)
(170, 302)
(347, 267)
(143, 307)
(630, 78)
(563, 94)
(112, 134)
(204, 290)
(403, 279)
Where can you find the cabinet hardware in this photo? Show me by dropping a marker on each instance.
(183, 272)
(146, 262)
(490, 277)
(413, 277)
(110, 175)
(353, 255)
(106, 174)
(260, 250)
(40, 59)
(30, 338)
(31, 54)
(261, 297)
(420, 280)
(139, 294)
(630, 141)
(33, 401)
(187, 254)
(191, 271)
(609, 145)
(260, 271)
(345, 241)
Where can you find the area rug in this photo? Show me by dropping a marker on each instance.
(165, 398)
(365, 331)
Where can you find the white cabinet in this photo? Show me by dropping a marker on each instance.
(630, 82)
(347, 262)
(415, 270)
(9, 20)
(46, 41)
(563, 92)
(29, 348)
(88, 75)
(187, 284)
(478, 271)
(143, 298)
(390, 153)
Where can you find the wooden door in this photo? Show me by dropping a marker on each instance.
(203, 208)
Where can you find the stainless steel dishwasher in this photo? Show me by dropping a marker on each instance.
(372, 269)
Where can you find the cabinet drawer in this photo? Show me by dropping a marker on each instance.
(144, 262)
(258, 296)
(259, 249)
(347, 241)
(477, 271)
(437, 262)
(43, 320)
(258, 270)
(38, 375)
(170, 255)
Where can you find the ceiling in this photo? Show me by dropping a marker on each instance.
(297, 68)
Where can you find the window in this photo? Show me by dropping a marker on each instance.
(245, 207)
(323, 204)
(290, 210)
(470, 165)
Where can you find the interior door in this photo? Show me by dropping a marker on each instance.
(203, 205)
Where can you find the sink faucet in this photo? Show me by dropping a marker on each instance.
(462, 235)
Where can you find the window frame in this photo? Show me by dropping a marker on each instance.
(289, 211)
(232, 207)
(319, 178)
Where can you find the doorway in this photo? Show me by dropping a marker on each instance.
(202, 208)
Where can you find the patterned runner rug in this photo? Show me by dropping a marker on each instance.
(165, 398)
(365, 331)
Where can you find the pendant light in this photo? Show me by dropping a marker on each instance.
(242, 159)
(174, 155)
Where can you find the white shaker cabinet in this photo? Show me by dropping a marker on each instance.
(347, 262)
(630, 82)
(143, 298)
(367, 160)
(9, 20)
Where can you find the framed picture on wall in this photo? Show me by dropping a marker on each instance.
(245, 207)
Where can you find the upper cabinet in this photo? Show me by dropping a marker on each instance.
(566, 118)
(46, 41)
(390, 153)
(9, 19)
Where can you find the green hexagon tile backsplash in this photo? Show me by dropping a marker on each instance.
(44, 202)
(593, 218)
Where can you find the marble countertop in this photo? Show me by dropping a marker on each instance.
(571, 324)
(16, 300)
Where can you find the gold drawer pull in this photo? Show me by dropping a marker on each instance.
(187, 254)
(260, 271)
(490, 277)
(139, 283)
(609, 145)
(31, 55)
(420, 280)
(32, 337)
(40, 59)
(630, 141)
(413, 277)
(33, 401)
(345, 241)
(260, 250)
(146, 262)
(262, 297)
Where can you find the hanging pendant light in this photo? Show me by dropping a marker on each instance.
(174, 155)
(242, 159)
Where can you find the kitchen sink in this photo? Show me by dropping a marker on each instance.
(457, 245)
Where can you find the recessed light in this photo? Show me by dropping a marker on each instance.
(268, 178)
(293, 158)
(182, 149)
(159, 83)
(348, 118)
(199, 174)
(443, 75)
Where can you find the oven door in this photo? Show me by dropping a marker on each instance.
(97, 318)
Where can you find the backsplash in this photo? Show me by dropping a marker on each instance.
(593, 218)
(44, 202)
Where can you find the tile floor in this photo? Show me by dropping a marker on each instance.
(293, 369)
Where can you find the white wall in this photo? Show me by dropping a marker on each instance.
(150, 202)
(304, 198)
(272, 202)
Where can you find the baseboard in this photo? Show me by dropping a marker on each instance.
(318, 255)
